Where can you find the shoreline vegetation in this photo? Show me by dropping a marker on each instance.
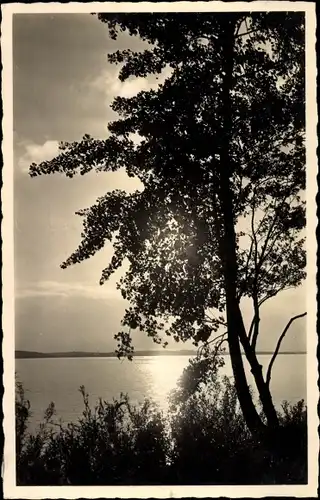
(120, 443)
(19, 354)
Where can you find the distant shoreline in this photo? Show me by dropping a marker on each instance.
(84, 354)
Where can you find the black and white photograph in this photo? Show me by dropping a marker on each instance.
(159, 249)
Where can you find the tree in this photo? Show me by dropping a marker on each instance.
(220, 153)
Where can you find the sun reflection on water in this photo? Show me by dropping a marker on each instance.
(163, 373)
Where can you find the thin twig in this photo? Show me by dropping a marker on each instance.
(214, 319)
(246, 271)
(270, 295)
(217, 337)
(221, 336)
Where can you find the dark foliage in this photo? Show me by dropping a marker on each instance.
(202, 440)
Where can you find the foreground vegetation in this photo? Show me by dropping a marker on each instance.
(203, 439)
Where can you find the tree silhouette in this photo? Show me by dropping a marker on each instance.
(219, 149)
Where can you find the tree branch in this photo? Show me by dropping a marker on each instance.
(270, 295)
(246, 270)
(246, 33)
(217, 337)
(263, 254)
(214, 318)
(256, 321)
(217, 347)
(254, 242)
(262, 301)
(258, 262)
(266, 253)
(254, 236)
(275, 354)
(255, 284)
(251, 328)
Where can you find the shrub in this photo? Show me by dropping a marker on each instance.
(113, 443)
(207, 423)
(202, 440)
(22, 414)
(30, 462)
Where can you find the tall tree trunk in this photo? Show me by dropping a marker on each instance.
(262, 386)
(228, 250)
(236, 328)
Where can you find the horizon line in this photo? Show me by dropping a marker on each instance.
(164, 351)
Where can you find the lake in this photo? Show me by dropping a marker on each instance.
(58, 380)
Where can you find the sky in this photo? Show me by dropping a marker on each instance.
(62, 89)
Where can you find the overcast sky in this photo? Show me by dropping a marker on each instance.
(63, 86)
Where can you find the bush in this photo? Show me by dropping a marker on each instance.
(30, 460)
(207, 423)
(113, 443)
(210, 427)
(22, 414)
(291, 450)
(202, 440)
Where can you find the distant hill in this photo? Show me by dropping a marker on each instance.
(85, 354)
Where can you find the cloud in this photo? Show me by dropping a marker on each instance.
(65, 289)
(109, 83)
(32, 152)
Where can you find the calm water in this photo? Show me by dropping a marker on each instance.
(58, 380)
